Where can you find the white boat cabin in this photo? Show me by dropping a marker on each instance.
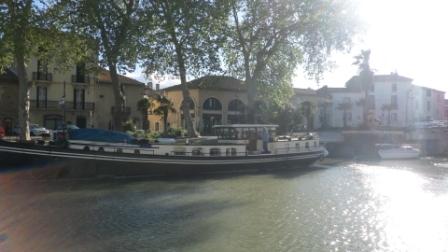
(230, 140)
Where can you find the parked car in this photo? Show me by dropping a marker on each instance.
(35, 130)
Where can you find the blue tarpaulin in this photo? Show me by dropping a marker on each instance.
(100, 135)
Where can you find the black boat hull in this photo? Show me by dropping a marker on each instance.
(56, 162)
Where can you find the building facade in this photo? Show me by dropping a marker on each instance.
(104, 100)
(393, 100)
(74, 96)
(342, 109)
(215, 100)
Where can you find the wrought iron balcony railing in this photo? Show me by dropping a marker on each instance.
(84, 79)
(51, 105)
(41, 76)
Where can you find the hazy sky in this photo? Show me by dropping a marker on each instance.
(407, 36)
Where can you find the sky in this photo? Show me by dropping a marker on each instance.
(409, 37)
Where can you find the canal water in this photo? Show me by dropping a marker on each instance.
(386, 206)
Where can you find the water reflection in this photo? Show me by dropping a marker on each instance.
(413, 208)
(401, 206)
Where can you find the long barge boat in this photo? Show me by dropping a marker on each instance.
(236, 147)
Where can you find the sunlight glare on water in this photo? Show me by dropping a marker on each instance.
(414, 218)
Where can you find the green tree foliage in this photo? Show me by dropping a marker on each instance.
(27, 29)
(115, 26)
(164, 107)
(143, 105)
(182, 38)
(267, 39)
(365, 81)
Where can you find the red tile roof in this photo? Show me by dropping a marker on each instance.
(104, 77)
(225, 83)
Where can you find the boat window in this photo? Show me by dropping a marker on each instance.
(136, 151)
(197, 152)
(179, 152)
(315, 144)
(298, 146)
(119, 150)
(101, 149)
(230, 151)
(307, 145)
(215, 152)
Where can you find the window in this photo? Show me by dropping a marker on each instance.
(41, 97)
(349, 116)
(197, 152)
(212, 104)
(394, 87)
(428, 105)
(79, 99)
(42, 70)
(428, 92)
(157, 126)
(230, 151)
(215, 152)
(371, 102)
(394, 117)
(236, 105)
(393, 101)
(80, 73)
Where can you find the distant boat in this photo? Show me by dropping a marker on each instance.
(236, 147)
(396, 151)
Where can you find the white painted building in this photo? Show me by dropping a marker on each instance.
(429, 104)
(393, 102)
(345, 109)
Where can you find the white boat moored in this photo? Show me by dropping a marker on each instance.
(396, 151)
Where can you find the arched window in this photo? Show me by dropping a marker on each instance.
(212, 104)
(236, 106)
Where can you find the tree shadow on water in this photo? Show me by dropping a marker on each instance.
(130, 221)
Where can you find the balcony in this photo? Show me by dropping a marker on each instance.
(80, 79)
(41, 76)
(50, 105)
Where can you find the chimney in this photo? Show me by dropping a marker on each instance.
(150, 85)
(157, 87)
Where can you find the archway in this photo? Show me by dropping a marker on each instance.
(212, 115)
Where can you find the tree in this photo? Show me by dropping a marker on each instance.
(365, 79)
(27, 30)
(345, 107)
(115, 26)
(164, 107)
(267, 39)
(143, 105)
(182, 38)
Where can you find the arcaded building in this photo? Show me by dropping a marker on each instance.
(216, 100)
